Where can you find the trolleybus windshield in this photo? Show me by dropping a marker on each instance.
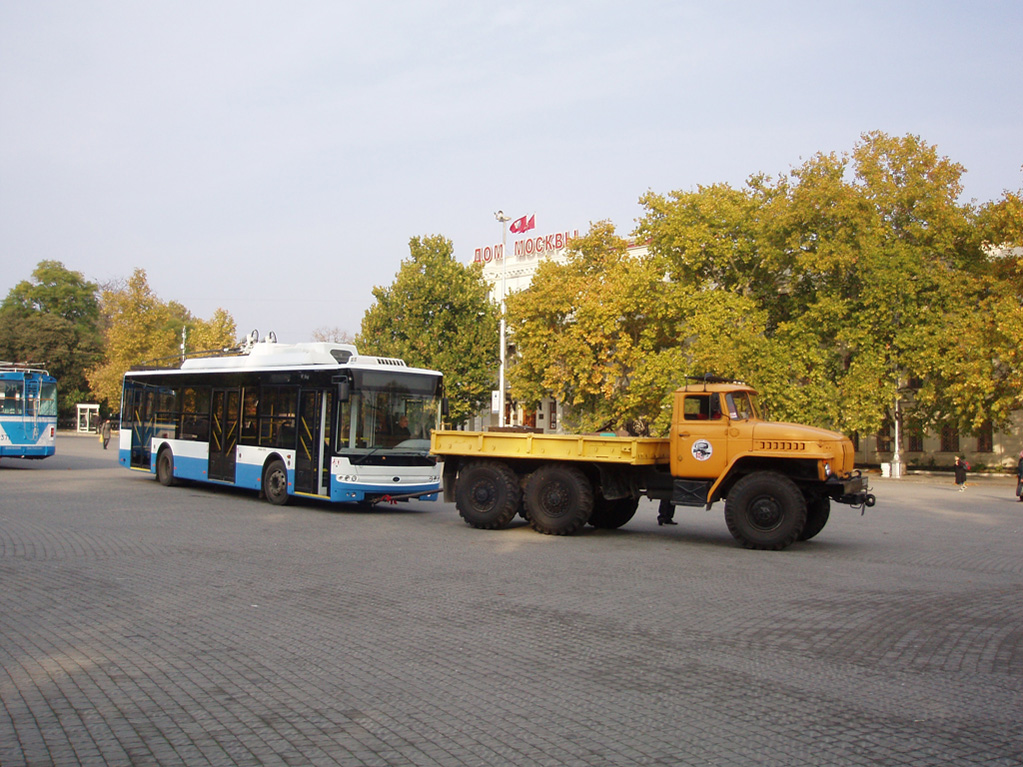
(388, 411)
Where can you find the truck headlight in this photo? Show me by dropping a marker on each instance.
(827, 469)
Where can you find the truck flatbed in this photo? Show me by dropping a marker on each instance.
(632, 451)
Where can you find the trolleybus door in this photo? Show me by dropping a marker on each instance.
(224, 426)
(312, 458)
(141, 405)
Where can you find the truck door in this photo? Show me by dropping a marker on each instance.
(699, 448)
(225, 421)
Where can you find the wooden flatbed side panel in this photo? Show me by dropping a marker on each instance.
(636, 451)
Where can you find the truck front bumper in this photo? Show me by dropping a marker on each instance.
(852, 490)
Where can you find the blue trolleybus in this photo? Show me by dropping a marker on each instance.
(312, 419)
(28, 412)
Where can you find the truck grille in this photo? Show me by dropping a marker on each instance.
(778, 445)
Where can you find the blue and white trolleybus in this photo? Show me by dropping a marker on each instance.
(311, 419)
(28, 412)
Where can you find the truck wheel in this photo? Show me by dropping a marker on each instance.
(559, 499)
(610, 515)
(765, 510)
(275, 483)
(165, 468)
(817, 512)
(487, 494)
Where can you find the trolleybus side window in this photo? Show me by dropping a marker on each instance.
(11, 401)
(277, 412)
(48, 399)
(195, 413)
(250, 415)
(165, 407)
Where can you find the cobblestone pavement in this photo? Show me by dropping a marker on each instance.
(200, 626)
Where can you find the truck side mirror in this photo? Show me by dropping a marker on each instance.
(444, 407)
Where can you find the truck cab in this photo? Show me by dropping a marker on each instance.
(709, 423)
(776, 478)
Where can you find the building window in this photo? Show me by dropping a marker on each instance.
(916, 440)
(884, 439)
(986, 438)
(949, 439)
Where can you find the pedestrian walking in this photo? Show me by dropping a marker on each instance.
(1019, 477)
(104, 432)
(961, 468)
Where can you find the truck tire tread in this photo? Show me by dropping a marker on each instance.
(765, 510)
(559, 499)
(487, 494)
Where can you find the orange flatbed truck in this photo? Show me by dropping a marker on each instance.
(777, 480)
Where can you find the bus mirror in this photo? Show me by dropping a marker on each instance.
(343, 390)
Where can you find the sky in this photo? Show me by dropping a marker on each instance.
(275, 158)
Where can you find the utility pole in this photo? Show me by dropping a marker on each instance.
(500, 216)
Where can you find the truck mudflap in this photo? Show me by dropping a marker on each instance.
(852, 490)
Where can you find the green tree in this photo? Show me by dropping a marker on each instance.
(902, 274)
(54, 289)
(871, 276)
(52, 320)
(718, 238)
(437, 314)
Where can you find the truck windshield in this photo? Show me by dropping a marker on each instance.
(741, 406)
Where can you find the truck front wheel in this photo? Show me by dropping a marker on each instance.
(487, 494)
(765, 510)
(559, 499)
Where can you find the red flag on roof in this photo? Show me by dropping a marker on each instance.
(523, 224)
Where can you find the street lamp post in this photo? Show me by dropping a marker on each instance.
(504, 289)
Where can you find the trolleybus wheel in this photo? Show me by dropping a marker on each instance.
(165, 467)
(275, 483)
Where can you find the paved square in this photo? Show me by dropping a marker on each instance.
(200, 626)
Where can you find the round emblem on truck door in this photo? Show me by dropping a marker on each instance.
(702, 450)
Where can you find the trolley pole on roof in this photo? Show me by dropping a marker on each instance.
(504, 289)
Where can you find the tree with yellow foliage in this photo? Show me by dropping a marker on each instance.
(140, 328)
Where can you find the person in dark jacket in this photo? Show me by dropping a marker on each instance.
(961, 468)
(1019, 477)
